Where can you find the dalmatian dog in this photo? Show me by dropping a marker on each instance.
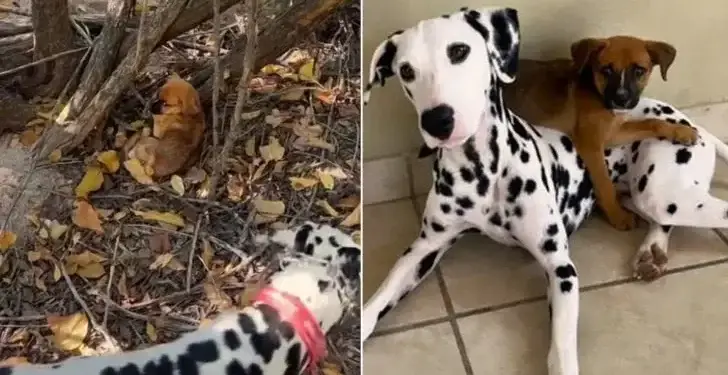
(282, 332)
(518, 184)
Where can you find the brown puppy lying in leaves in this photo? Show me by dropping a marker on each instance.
(179, 127)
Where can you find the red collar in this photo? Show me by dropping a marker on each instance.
(293, 311)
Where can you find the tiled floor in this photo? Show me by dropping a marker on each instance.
(483, 311)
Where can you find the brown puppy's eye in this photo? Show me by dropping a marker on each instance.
(458, 52)
(607, 71)
(406, 72)
(639, 71)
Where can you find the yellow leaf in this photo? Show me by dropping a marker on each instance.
(85, 258)
(250, 147)
(55, 156)
(320, 143)
(178, 185)
(68, 331)
(270, 208)
(57, 273)
(272, 151)
(161, 217)
(110, 160)
(326, 179)
(161, 261)
(85, 216)
(293, 94)
(207, 253)
(328, 368)
(7, 239)
(327, 208)
(307, 71)
(91, 271)
(137, 170)
(353, 219)
(34, 256)
(92, 181)
(151, 332)
(300, 183)
(57, 229)
(273, 69)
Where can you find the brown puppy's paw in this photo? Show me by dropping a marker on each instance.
(685, 135)
(650, 265)
(622, 219)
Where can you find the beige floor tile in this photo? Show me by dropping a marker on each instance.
(424, 351)
(389, 230)
(675, 325)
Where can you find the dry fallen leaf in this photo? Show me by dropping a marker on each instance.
(68, 331)
(349, 202)
(249, 115)
(272, 151)
(55, 156)
(175, 265)
(216, 296)
(92, 181)
(300, 183)
(327, 208)
(177, 185)
(327, 180)
(353, 219)
(28, 137)
(137, 170)
(7, 240)
(320, 143)
(235, 188)
(91, 271)
(160, 243)
(57, 274)
(250, 147)
(207, 253)
(307, 71)
(85, 216)
(110, 160)
(161, 261)
(151, 332)
(195, 175)
(328, 368)
(161, 217)
(56, 229)
(272, 208)
(34, 256)
(293, 94)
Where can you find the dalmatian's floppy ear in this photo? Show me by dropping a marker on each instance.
(500, 29)
(381, 65)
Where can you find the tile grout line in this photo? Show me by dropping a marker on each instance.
(452, 318)
(502, 306)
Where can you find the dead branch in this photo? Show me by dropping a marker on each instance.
(236, 129)
(72, 135)
(103, 57)
(277, 37)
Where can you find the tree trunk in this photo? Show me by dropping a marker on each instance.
(53, 34)
(278, 36)
(95, 114)
(103, 58)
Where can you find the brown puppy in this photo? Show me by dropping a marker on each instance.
(587, 97)
(178, 130)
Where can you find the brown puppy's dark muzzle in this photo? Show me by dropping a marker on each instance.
(157, 106)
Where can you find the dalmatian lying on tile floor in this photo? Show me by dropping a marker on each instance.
(281, 333)
(518, 184)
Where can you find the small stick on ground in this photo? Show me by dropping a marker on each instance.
(111, 277)
(192, 254)
(235, 129)
(110, 340)
(41, 61)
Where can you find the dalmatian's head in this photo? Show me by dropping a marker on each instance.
(447, 66)
(321, 265)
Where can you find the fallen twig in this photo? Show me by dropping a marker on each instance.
(192, 254)
(41, 61)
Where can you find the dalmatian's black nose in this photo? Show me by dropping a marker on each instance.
(438, 121)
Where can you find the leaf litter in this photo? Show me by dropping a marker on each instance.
(122, 237)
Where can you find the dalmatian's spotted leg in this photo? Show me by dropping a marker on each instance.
(415, 264)
(551, 250)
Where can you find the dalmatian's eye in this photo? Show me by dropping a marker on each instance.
(607, 70)
(458, 52)
(639, 71)
(406, 72)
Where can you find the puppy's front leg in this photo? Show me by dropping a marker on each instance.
(638, 130)
(592, 152)
(436, 236)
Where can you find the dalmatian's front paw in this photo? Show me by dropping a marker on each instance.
(650, 263)
(685, 135)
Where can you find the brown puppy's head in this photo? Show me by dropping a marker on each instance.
(619, 67)
(178, 97)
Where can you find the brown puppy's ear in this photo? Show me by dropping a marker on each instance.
(191, 103)
(583, 50)
(662, 54)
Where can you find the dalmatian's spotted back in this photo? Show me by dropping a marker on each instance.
(320, 267)
(521, 185)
